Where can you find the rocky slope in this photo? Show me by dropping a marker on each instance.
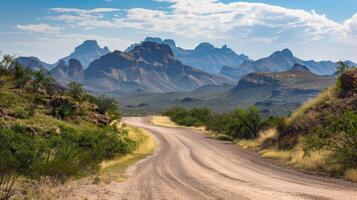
(64, 73)
(151, 67)
(205, 56)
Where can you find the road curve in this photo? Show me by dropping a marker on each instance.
(190, 165)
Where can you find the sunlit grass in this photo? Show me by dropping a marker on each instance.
(324, 96)
(115, 169)
(351, 175)
(166, 122)
(256, 143)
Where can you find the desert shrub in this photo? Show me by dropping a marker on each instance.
(245, 124)
(184, 117)
(107, 105)
(338, 135)
(76, 91)
(21, 75)
(59, 156)
(7, 182)
(41, 80)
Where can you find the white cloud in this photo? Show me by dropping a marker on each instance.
(211, 19)
(77, 10)
(40, 28)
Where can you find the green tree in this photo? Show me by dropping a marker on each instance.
(107, 105)
(245, 123)
(76, 91)
(6, 63)
(342, 67)
(42, 81)
(21, 75)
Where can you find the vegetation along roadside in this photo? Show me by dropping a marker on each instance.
(321, 136)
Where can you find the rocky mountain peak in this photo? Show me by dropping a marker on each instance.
(153, 52)
(299, 68)
(284, 53)
(205, 46)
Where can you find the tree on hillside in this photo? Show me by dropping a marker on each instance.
(42, 81)
(76, 91)
(342, 68)
(5, 64)
(21, 75)
(108, 105)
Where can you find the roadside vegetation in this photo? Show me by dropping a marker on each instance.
(239, 124)
(51, 132)
(320, 136)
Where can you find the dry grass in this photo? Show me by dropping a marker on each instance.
(326, 95)
(115, 169)
(256, 143)
(166, 122)
(295, 157)
(351, 175)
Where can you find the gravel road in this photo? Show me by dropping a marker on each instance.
(190, 165)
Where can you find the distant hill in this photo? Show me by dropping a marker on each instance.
(151, 67)
(86, 53)
(205, 56)
(33, 63)
(277, 62)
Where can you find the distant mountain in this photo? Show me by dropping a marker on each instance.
(33, 63)
(205, 56)
(86, 53)
(277, 62)
(150, 67)
(64, 73)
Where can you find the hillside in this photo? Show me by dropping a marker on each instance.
(151, 67)
(204, 56)
(49, 131)
(320, 135)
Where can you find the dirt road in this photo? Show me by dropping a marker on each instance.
(189, 165)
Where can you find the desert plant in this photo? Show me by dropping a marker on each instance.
(21, 75)
(338, 135)
(7, 182)
(5, 64)
(42, 80)
(342, 67)
(108, 105)
(76, 91)
(246, 124)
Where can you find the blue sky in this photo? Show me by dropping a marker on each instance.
(312, 29)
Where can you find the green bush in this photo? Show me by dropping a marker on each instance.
(338, 135)
(59, 156)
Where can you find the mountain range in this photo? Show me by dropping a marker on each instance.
(157, 65)
(277, 62)
(205, 56)
(86, 53)
(151, 67)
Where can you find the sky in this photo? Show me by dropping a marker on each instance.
(312, 29)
